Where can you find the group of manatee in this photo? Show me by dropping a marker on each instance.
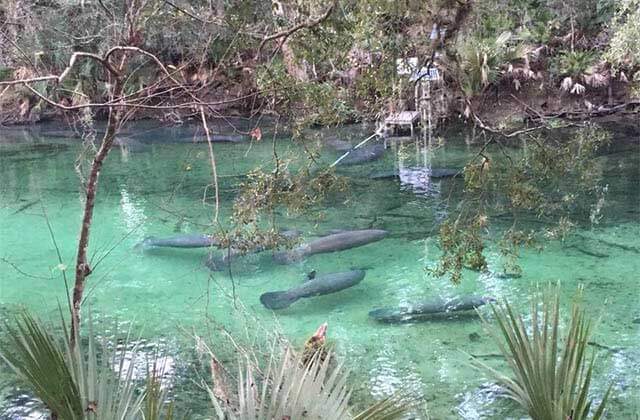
(316, 285)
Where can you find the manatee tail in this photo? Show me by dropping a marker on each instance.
(277, 300)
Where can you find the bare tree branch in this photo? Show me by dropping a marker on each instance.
(82, 265)
(303, 25)
(106, 10)
(180, 9)
(124, 104)
(27, 81)
(213, 162)
(482, 125)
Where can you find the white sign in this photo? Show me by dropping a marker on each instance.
(407, 66)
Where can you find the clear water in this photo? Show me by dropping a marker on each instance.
(157, 188)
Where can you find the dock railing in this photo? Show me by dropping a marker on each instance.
(362, 143)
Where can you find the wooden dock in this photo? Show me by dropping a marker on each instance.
(403, 119)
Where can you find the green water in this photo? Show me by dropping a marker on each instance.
(157, 188)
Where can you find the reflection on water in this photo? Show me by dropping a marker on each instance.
(475, 402)
(132, 215)
(23, 407)
(140, 359)
(158, 188)
(385, 377)
(419, 181)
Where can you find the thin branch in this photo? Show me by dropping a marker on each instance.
(119, 102)
(482, 125)
(213, 162)
(307, 24)
(27, 81)
(106, 10)
(153, 57)
(539, 115)
(185, 105)
(83, 270)
(15, 267)
(17, 47)
(79, 54)
(180, 9)
(117, 244)
(59, 254)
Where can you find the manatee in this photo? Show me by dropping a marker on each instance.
(314, 286)
(363, 154)
(228, 255)
(187, 135)
(507, 275)
(330, 243)
(337, 144)
(64, 134)
(429, 310)
(434, 173)
(200, 137)
(191, 240)
(224, 138)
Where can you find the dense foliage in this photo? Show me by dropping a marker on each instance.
(336, 69)
(555, 179)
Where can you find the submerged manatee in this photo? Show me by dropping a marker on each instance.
(433, 309)
(363, 154)
(186, 135)
(434, 173)
(330, 243)
(228, 255)
(337, 144)
(191, 240)
(444, 172)
(223, 138)
(315, 286)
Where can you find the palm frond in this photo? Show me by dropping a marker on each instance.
(39, 360)
(155, 406)
(291, 388)
(551, 377)
(395, 406)
(74, 383)
(294, 390)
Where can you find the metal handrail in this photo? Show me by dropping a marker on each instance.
(354, 148)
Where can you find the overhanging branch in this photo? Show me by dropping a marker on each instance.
(303, 25)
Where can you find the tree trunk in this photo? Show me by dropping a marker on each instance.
(82, 265)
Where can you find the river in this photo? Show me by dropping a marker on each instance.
(155, 187)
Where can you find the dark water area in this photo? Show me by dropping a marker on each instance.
(155, 183)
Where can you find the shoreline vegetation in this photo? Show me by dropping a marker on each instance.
(502, 62)
(537, 71)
